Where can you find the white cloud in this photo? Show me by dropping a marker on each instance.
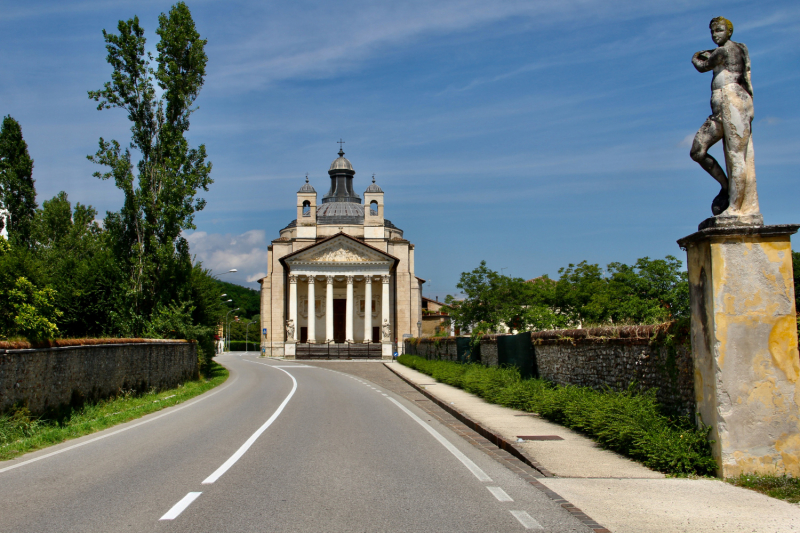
(246, 252)
(296, 42)
(687, 141)
(256, 277)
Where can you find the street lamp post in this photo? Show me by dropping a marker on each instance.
(246, 334)
(228, 324)
(223, 323)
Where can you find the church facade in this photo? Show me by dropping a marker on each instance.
(340, 274)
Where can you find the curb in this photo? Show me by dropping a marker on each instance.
(504, 444)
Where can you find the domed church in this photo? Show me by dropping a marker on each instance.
(340, 279)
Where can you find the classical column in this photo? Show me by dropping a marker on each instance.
(349, 310)
(367, 308)
(293, 307)
(385, 305)
(329, 309)
(312, 315)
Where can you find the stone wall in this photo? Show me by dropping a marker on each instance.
(616, 357)
(652, 357)
(44, 378)
(429, 348)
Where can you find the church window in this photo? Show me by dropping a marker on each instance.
(306, 208)
(373, 208)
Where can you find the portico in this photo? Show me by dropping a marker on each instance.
(345, 311)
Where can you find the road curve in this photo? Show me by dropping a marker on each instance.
(281, 446)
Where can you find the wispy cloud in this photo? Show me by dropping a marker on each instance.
(326, 43)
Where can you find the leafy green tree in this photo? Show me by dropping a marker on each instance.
(75, 259)
(493, 300)
(648, 292)
(17, 190)
(482, 308)
(160, 189)
(581, 293)
(34, 311)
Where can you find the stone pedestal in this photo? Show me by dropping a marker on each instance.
(289, 349)
(744, 341)
(386, 350)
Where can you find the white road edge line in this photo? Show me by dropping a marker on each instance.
(475, 469)
(500, 494)
(527, 521)
(184, 406)
(181, 506)
(249, 442)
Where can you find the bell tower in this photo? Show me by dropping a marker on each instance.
(307, 212)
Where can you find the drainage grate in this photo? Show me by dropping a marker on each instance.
(539, 437)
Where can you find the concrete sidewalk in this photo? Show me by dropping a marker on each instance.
(620, 494)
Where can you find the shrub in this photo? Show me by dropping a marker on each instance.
(627, 422)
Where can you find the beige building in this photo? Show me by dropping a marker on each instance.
(340, 275)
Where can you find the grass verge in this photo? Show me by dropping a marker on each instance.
(629, 423)
(781, 487)
(22, 433)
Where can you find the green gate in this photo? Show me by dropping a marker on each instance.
(464, 351)
(516, 350)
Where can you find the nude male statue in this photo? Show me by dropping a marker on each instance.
(730, 121)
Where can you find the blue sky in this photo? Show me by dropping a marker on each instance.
(529, 134)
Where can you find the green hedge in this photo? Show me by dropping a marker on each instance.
(626, 422)
(238, 346)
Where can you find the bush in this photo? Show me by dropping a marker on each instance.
(627, 422)
(239, 346)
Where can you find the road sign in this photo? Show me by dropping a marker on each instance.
(264, 331)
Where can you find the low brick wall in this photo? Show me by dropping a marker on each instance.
(598, 358)
(44, 378)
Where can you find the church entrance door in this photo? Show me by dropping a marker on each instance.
(339, 317)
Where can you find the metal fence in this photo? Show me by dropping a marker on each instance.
(338, 350)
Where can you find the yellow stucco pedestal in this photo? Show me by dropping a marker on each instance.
(744, 341)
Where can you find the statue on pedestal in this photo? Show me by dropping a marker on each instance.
(386, 330)
(290, 330)
(730, 121)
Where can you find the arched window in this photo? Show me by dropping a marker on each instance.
(306, 208)
(373, 208)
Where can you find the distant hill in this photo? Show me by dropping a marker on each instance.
(248, 300)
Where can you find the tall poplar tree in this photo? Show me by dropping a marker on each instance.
(160, 189)
(17, 190)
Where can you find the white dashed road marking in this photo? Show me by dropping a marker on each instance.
(500, 494)
(179, 507)
(527, 521)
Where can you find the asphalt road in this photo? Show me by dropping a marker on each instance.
(281, 446)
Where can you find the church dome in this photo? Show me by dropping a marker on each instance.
(341, 163)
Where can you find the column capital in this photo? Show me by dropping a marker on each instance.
(350, 280)
(385, 278)
(292, 278)
(329, 280)
(311, 280)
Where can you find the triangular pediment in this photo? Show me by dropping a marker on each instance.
(338, 250)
